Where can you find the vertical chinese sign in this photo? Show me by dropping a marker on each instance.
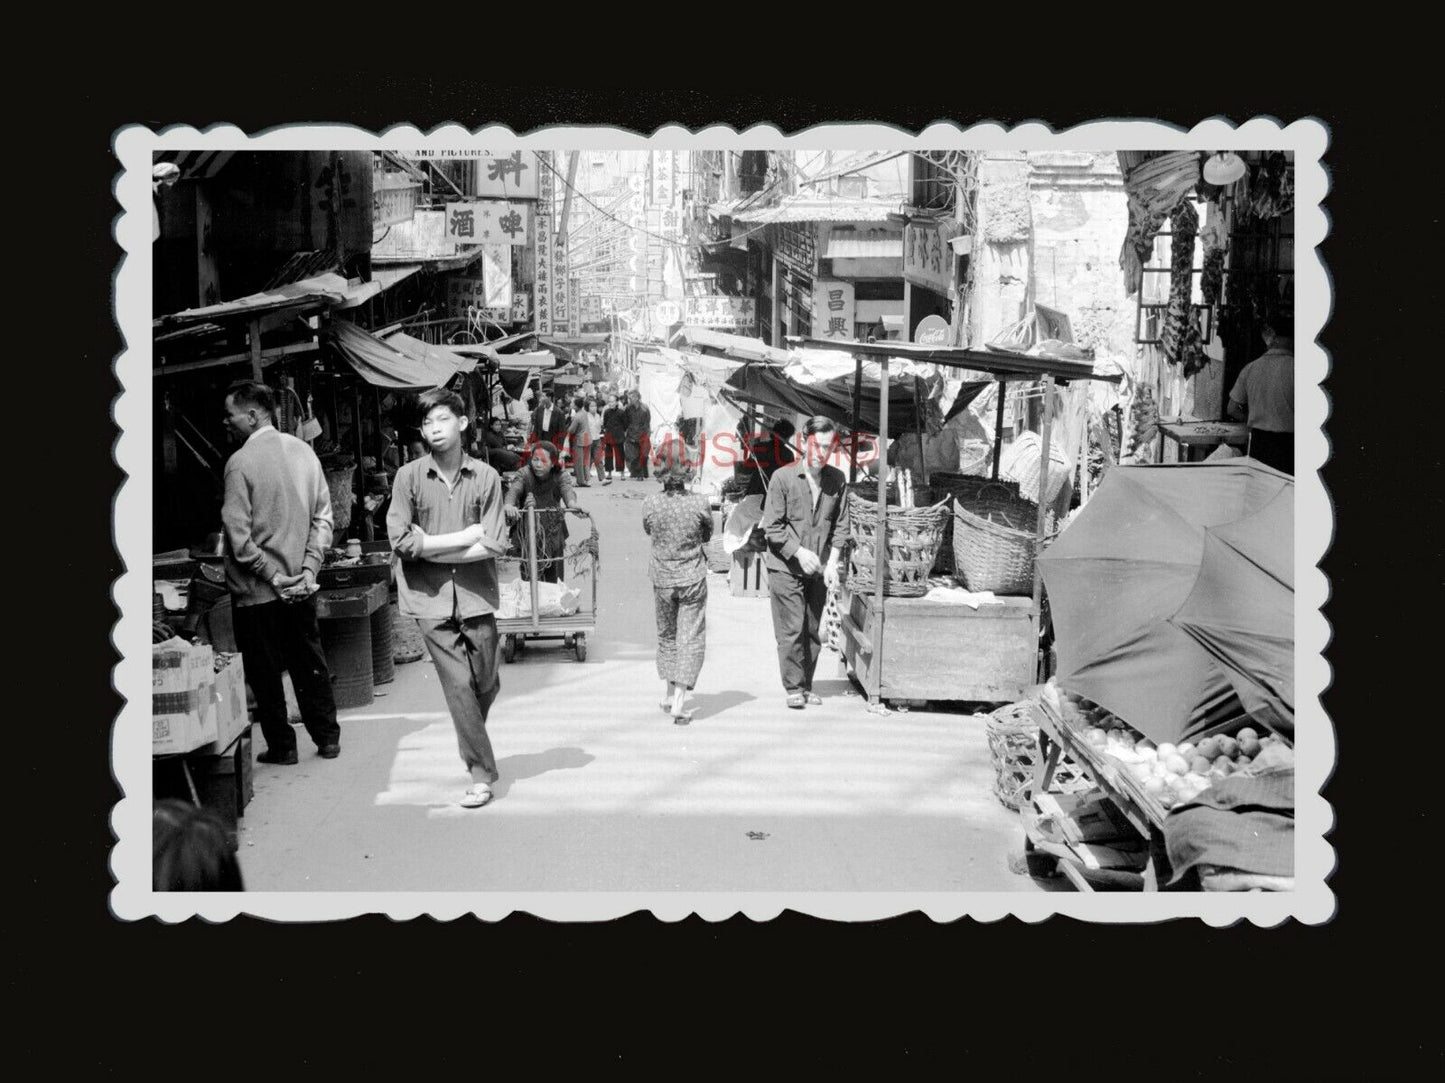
(833, 308)
(542, 238)
(561, 307)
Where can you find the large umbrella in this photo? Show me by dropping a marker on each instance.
(1124, 567)
(1241, 610)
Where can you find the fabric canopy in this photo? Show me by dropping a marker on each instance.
(1124, 567)
(1241, 610)
(400, 363)
(765, 386)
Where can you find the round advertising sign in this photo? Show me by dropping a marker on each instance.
(931, 331)
(667, 313)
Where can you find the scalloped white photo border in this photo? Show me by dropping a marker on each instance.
(1312, 901)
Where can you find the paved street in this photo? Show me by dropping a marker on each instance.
(600, 791)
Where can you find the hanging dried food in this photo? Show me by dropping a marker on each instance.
(1143, 426)
(1271, 187)
(1211, 281)
(1183, 225)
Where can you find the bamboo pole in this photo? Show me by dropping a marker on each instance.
(918, 419)
(880, 554)
(998, 429)
(857, 413)
(1044, 436)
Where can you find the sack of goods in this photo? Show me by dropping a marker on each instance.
(553, 600)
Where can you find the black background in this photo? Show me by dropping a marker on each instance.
(1059, 999)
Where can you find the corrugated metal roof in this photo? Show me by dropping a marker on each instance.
(864, 244)
(812, 209)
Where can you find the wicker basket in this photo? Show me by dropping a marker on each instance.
(1013, 742)
(963, 488)
(993, 540)
(868, 490)
(914, 535)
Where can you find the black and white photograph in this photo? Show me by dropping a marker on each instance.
(853, 522)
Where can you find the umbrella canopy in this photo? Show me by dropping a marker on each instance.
(1124, 567)
(1241, 610)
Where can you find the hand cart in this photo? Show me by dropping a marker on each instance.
(571, 629)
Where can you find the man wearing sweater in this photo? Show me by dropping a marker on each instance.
(277, 518)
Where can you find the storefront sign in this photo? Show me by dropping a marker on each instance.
(729, 312)
(513, 176)
(927, 255)
(490, 221)
(393, 199)
(542, 249)
(833, 308)
(797, 245)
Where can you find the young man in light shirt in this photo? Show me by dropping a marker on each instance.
(447, 528)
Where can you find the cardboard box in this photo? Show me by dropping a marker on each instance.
(229, 696)
(183, 705)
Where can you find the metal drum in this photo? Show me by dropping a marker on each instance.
(383, 663)
(347, 642)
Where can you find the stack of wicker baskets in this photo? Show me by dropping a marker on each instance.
(963, 488)
(1013, 742)
(913, 538)
(993, 540)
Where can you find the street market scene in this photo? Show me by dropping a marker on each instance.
(703, 520)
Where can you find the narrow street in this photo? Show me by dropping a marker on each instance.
(600, 791)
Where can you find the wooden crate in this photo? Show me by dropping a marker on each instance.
(749, 576)
(941, 650)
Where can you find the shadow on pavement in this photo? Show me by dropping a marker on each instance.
(531, 764)
(712, 704)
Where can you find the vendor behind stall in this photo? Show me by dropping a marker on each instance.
(1263, 396)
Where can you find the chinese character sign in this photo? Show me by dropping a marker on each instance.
(729, 312)
(491, 221)
(542, 241)
(514, 175)
(464, 293)
(833, 308)
(927, 255)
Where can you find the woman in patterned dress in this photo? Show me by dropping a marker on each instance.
(680, 524)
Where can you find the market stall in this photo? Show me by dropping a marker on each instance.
(1173, 603)
(893, 614)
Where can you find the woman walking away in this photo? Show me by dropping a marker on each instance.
(543, 483)
(680, 523)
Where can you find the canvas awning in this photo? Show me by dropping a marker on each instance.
(740, 346)
(762, 385)
(319, 291)
(400, 363)
(998, 363)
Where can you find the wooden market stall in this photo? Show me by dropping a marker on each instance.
(893, 644)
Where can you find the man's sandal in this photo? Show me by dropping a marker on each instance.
(796, 701)
(814, 700)
(477, 796)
